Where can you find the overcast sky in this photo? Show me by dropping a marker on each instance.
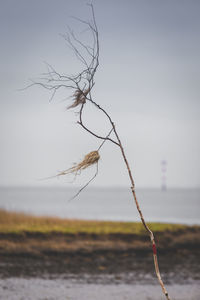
(148, 80)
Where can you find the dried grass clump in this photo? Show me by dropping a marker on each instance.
(89, 160)
(79, 97)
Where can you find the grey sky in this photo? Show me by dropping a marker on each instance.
(148, 80)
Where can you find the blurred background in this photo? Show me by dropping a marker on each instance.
(148, 80)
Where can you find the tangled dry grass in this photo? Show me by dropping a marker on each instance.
(89, 160)
(79, 98)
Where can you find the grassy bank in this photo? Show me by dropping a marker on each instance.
(21, 234)
(16, 223)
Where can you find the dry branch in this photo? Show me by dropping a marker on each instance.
(82, 84)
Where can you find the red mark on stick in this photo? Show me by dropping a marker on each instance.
(154, 249)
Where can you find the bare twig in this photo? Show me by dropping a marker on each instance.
(93, 177)
(101, 145)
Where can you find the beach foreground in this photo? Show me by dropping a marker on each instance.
(78, 254)
(92, 245)
(22, 234)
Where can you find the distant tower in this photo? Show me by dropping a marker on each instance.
(163, 177)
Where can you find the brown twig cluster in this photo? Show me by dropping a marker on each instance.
(79, 98)
(89, 160)
(82, 85)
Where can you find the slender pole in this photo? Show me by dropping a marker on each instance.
(155, 258)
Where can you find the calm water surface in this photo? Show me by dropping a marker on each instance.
(62, 289)
(175, 205)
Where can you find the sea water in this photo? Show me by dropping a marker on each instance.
(116, 204)
(62, 289)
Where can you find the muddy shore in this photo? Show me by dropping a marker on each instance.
(39, 244)
(45, 246)
(39, 254)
